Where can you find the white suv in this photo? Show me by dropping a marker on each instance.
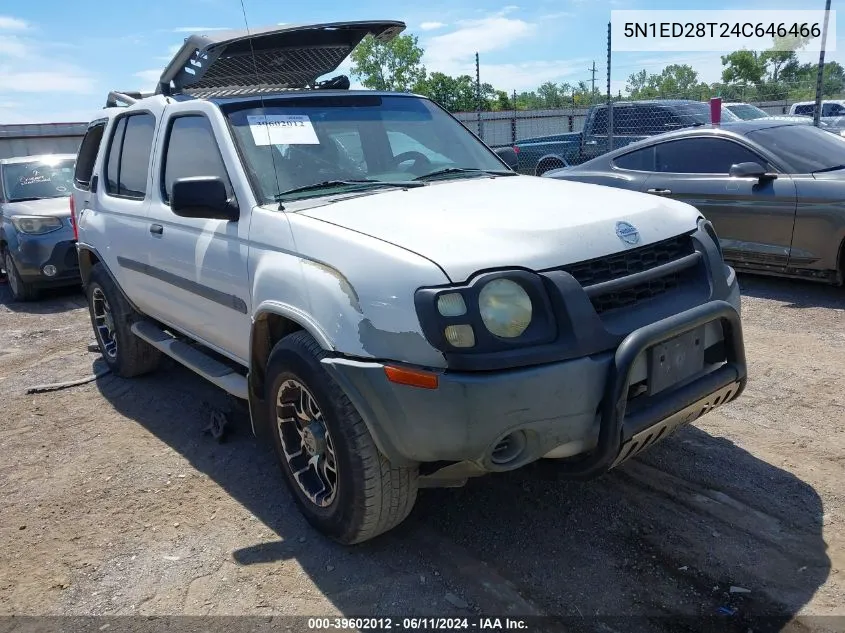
(399, 308)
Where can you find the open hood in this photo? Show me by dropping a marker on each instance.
(288, 57)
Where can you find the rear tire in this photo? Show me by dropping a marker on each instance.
(351, 492)
(21, 291)
(112, 318)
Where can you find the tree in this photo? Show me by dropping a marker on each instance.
(394, 65)
(743, 67)
(456, 94)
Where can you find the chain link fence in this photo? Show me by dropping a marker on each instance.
(548, 138)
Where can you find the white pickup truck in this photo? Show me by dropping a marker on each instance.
(399, 308)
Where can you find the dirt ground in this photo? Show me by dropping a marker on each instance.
(114, 501)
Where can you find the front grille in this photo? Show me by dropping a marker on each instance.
(635, 294)
(636, 260)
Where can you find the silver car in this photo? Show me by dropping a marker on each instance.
(36, 230)
(774, 190)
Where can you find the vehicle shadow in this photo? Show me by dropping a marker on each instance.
(794, 293)
(50, 301)
(665, 535)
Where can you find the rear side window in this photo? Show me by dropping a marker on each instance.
(639, 160)
(191, 151)
(600, 121)
(804, 109)
(88, 155)
(128, 162)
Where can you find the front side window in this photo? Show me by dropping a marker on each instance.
(128, 161)
(191, 151)
(35, 180)
(365, 140)
(701, 156)
(832, 109)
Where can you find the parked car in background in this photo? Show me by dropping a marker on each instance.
(36, 235)
(749, 112)
(398, 308)
(830, 107)
(632, 121)
(775, 191)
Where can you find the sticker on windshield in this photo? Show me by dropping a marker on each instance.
(282, 129)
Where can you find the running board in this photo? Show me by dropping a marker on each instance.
(209, 368)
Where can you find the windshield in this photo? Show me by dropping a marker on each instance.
(804, 148)
(353, 142)
(697, 113)
(48, 178)
(747, 112)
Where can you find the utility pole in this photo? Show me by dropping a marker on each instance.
(593, 70)
(817, 112)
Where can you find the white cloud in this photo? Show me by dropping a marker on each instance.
(20, 71)
(431, 26)
(453, 53)
(199, 29)
(69, 80)
(557, 15)
(10, 46)
(529, 75)
(8, 23)
(149, 77)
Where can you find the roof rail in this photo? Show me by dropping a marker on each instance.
(288, 57)
(127, 98)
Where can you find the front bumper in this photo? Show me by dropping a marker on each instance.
(581, 408)
(32, 253)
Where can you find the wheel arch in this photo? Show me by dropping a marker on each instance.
(88, 257)
(271, 323)
(549, 158)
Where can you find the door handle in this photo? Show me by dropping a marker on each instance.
(591, 143)
(661, 192)
(156, 229)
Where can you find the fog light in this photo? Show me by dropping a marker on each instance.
(49, 270)
(460, 335)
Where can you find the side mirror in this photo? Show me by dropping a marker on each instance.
(751, 170)
(508, 154)
(202, 197)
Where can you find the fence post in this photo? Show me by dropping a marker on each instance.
(609, 97)
(513, 127)
(817, 111)
(478, 96)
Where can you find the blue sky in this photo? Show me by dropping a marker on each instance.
(59, 59)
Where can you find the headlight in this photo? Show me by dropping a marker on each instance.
(36, 225)
(505, 308)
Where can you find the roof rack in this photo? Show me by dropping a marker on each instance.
(267, 59)
(124, 97)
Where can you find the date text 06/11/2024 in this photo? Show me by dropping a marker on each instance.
(417, 624)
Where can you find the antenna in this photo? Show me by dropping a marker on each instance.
(257, 82)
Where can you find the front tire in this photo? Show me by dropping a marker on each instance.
(342, 484)
(21, 291)
(112, 318)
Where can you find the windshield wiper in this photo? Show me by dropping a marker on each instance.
(27, 199)
(834, 168)
(465, 170)
(333, 184)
